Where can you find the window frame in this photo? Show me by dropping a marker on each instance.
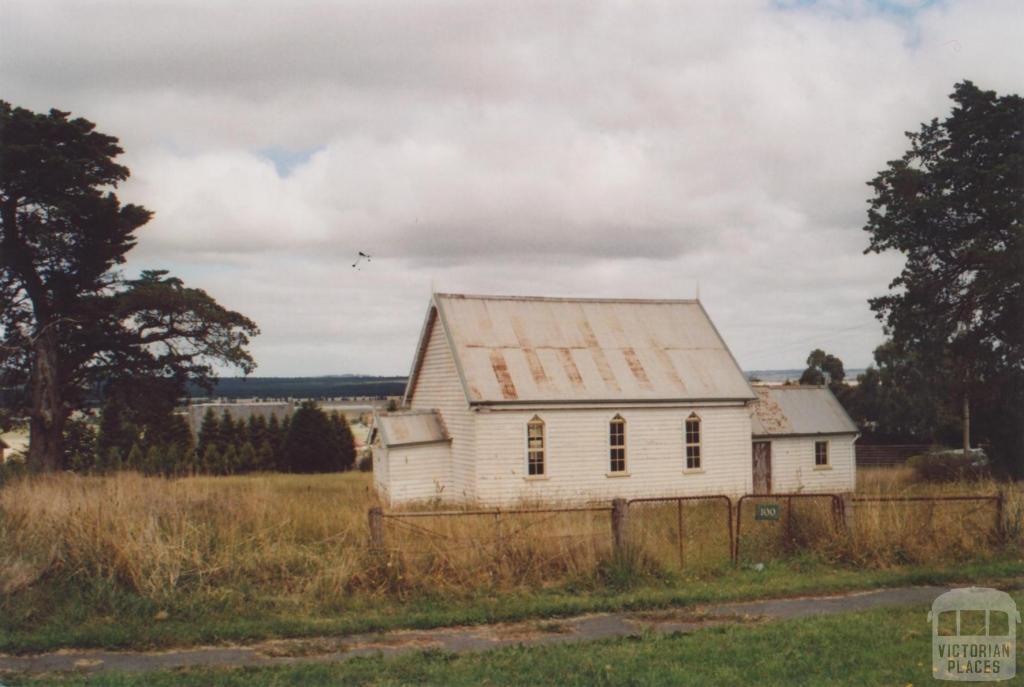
(536, 421)
(619, 421)
(828, 454)
(698, 445)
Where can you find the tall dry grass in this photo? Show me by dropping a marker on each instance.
(307, 536)
(889, 533)
(291, 533)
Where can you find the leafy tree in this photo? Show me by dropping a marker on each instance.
(265, 456)
(344, 440)
(953, 205)
(209, 432)
(228, 429)
(136, 459)
(896, 400)
(257, 429)
(312, 443)
(154, 461)
(115, 431)
(823, 368)
(177, 433)
(79, 445)
(173, 461)
(68, 317)
(275, 439)
(247, 458)
(228, 460)
(210, 462)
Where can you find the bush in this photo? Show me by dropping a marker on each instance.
(12, 469)
(365, 463)
(950, 466)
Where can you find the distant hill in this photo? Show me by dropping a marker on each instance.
(335, 386)
(304, 387)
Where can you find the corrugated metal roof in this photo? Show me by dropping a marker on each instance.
(527, 350)
(410, 427)
(782, 410)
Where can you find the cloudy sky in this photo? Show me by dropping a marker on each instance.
(553, 148)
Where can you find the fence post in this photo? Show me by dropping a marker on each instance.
(1000, 522)
(679, 508)
(376, 517)
(620, 525)
(846, 502)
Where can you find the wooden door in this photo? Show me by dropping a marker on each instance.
(762, 452)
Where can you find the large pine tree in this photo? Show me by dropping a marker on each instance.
(69, 318)
(953, 205)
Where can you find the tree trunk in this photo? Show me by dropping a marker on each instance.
(967, 425)
(46, 425)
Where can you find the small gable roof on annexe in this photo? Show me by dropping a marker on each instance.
(519, 350)
(798, 410)
(410, 427)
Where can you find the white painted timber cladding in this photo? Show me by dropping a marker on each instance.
(438, 388)
(381, 479)
(793, 468)
(418, 473)
(577, 455)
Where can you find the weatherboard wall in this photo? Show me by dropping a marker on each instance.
(793, 468)
(577, 460)
(414, 473)
(437, 387)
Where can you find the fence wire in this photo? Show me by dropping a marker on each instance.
(465, 547)
(683, 532)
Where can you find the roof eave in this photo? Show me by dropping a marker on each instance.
(798, 435)
(421, 351)
(419, 443)
(611, 401)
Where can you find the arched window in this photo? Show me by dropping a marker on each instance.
(617, 444)
(692, 432)
(535, 447)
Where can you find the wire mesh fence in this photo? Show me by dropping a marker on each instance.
(772, 526)
(535, 546)
(693, 532)
(925, 528)
(462, 548)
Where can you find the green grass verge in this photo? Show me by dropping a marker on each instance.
(50, 617)
(880, 647)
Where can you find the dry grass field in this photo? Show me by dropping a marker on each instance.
(126, 561)
(307, 536)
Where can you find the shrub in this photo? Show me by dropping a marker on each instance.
(950, 466)
(365, 463)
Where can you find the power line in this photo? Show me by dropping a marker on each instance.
(823, 336)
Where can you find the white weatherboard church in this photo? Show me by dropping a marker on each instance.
(527, 400)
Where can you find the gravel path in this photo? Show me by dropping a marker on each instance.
(467, 638)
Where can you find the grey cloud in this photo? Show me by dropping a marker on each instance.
(578, 148)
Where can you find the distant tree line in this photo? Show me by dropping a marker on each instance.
(310, 440)
(303, 387)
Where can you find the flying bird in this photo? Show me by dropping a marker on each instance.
(362, 256)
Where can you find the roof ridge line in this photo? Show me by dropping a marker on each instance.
(565, 299)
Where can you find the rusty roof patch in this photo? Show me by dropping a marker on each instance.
(569, 365)
(636, 367)
(540, 378)
(768, 415)
(600, 360)
(500, 367)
